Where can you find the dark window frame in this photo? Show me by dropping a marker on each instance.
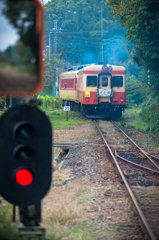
(118, 84)
(90, 84)
(102, 81)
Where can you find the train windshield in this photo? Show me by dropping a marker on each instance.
(104, 81)
(117, 81)
(91, 81)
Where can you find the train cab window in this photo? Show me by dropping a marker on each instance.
(117, 81)
(91, 81)
(104, 82)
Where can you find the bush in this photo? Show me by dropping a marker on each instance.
(57, 102)
(8, 230)
(150, 114)
(49, 101)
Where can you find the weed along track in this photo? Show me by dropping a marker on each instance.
(141, 182)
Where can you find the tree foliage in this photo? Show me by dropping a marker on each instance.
(135, 91)
(141, 20)
(80, 39)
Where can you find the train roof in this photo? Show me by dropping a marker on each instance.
(99, 67)
(72, 72)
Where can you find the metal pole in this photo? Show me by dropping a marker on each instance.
(66, 115)
(102, 30)
(55, 50)
(49, 46)
(56, 79)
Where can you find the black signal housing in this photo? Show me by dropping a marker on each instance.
(25, 144)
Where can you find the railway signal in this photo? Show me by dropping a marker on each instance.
(25, 132)
(25, 155)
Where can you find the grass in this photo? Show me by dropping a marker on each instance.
(61, 208)
(58, 118)
(1, 113)
(85, 198)
(131, 118)
(60, 176)
(8, 229)
(65, 214)
(82, 231)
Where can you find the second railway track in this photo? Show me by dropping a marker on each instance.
(143, 183)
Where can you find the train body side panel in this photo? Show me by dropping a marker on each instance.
(80, 87)
(68, 86)
(68, 95)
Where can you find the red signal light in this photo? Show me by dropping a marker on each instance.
(24, 177)
(87, 99)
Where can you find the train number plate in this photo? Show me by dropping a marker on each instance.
(105, 92)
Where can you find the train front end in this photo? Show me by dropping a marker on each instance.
(102, 90)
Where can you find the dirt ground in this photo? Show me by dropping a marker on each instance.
(87, 200)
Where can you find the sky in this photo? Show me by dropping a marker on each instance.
(8, 35)
(45, 1)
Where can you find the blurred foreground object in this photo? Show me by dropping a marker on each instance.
(25, 156)
(21, 47)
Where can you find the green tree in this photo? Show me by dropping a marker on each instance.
(141, 20)
(136, 91)
(80, 38)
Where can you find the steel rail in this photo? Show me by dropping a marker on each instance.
(145, 154)
(152, 155)
(143, 219)
(135, 164)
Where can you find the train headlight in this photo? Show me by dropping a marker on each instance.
(105, 67)
(110, 68)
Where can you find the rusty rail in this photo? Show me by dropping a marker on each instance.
(143, 219)
(145, 154)
(136, 165)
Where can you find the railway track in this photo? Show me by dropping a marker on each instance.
(139, 172)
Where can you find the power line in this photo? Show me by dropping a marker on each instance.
(82, 43)
(75, 45)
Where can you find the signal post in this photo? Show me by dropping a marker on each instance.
(25, 131)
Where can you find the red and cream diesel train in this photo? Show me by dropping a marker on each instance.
(98, 90)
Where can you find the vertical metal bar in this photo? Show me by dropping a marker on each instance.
(102, 30)
(49, 46)
(56, 79)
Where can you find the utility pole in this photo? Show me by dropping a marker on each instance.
(55, 49)
(56, 31)
(102, 30)
(50, 46)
